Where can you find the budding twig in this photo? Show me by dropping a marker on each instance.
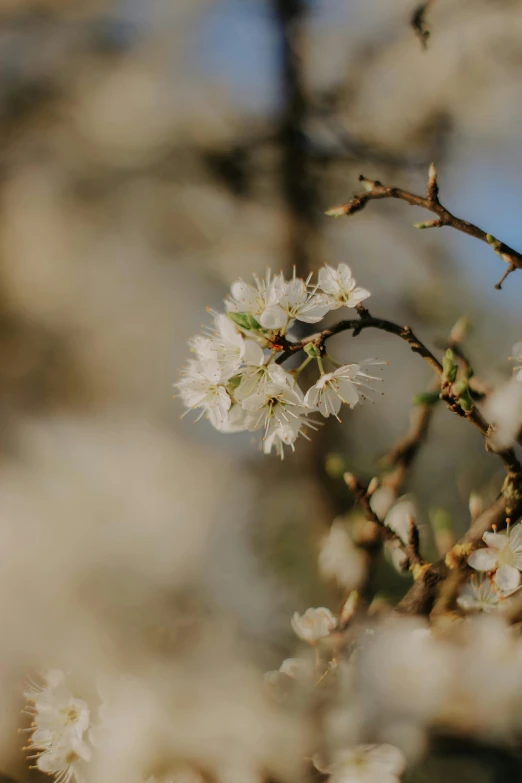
(374, 190)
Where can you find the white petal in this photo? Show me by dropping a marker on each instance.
(348, 392)
(274, 317)
(357, 296)
(253, 353)
(344, 274)
(311, 397)
(483, 559)
(495, 540)
(507, 578)
(328, 281)
(389, 756)
(515, 537)
(243, 294)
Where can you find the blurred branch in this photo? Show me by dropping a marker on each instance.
(375, 190)
(406, 449)
(419, 23)
(298, 194)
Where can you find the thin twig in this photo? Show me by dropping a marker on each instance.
(365, 320)
(363, 498)
(375, 190)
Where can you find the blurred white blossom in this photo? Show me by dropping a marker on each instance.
(340, 559)
(364, 764)
(517, 357)
(503, 410)
(61, 722)
(478, 595)
(314, 624)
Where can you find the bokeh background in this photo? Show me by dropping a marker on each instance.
(151, 152)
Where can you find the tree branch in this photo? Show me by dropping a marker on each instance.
(419, 24)
(375, 190)
(365, 320)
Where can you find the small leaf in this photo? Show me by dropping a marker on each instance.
(244, 320)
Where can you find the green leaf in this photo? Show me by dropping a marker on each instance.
(244, 320)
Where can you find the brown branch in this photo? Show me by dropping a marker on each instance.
(419, 24)
(365, 320)
(375, 190)
(420, 599)
(363, 498)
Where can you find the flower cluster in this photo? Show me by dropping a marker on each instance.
(60, 723)
(234, 380)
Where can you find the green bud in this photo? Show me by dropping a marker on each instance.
(244, 321)
(465, 401)
(427, 224)
(448, 365)
(312, 350)
(495, 243)
(460, 387)
(426, 398)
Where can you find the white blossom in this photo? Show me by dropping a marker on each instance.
(503, 410)
(280, 410)
(478, 595)
(334, 388)
(503, 554)
(340, 559)
(314, 624)
(256, 375)
(298, 303)
(517, 357)
(60, 722)
(364, 764)
(260, 300)
(229, 347)
(202, 388)
(340, 287)
(399, 515)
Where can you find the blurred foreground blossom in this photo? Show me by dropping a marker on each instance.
(503, 409)
(478, 595)
(60, 725)
(314, 624)
(340, 559)
(365, 764)
(517, 357)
